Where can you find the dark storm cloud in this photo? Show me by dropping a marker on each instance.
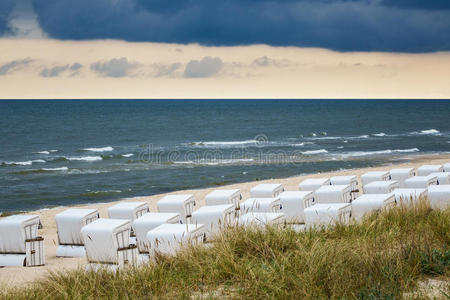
(345, 25)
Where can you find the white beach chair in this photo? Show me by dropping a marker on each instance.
(19, 243)
(182, 204)
(325, 214)
(421, 182)
(366, 204)
(368, 177)
(447, 167)
(220, 197)
(266, 190)
(69, 224)
(333, 194)
(439, 196)
(312, 184)
(293, 203)
(409, 195)
(401, 174)
(169, 238)
(214, 217)
(261, 205)
(107, 244)
(128, 210)
(147, 222)
(351, 180)
(442, 177)
(428, 169)
(261, 219)
(381, 187)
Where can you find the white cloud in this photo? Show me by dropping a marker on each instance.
(116, 67)
(207, 67)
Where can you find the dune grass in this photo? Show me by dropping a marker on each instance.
(384, 257)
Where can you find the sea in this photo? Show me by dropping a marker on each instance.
(64, 152)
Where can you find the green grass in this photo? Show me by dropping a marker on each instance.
(384, 257)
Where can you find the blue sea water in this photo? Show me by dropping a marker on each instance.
(64, 152)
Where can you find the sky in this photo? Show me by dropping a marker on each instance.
(224, 49)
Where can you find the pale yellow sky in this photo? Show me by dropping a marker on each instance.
(115, 69)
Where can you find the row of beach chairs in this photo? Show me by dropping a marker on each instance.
(132, 234)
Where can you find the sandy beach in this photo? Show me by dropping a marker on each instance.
(15, 276)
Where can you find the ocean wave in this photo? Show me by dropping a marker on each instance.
(380, 152)
(128, 155)
(22, 163)
(85, 158)
(427, 132)
(214, 162)
(312, 152)
(42, 170)
(43, 152)
(104, 149)
(93, 194)
(226, 144)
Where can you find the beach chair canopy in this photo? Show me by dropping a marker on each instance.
(312, 184)
(70, 222)
(214, 217)
(103, 237)
(15, 230)
(442, 177)
(219, 197)
(182, 204)
(420, 182)
(409, 195)
(261, 205)
(380, 187)
(332, 194)
(261, 219)
(374, 176)
(351, 180)
(439, 196)
(401, 174)
(168, 238)
(128, 210)
(150, 221)
(446, 167)
(371, 202)
(428, 169)
(266, 190)
(293, 203)
(327, 213)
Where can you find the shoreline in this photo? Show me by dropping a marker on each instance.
(16, 276)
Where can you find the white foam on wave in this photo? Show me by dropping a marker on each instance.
(85, 158)
(230, 143)
(427, 132)
(365, 136)
(104, 149)
(43, 152)
(312, 152)
(128, 155)
(55, 169)
(39, 161)
(214, 162)
(23, 163)
(379, 134)
(380, 152)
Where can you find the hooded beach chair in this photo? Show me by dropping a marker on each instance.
(409, 195)
(333, 194)
(368, 177)
(381, 187)
(169, 238)
(19, 243)
(266, 190)
(221, 197)
(421, 182)
(325, 214)
(69, 224)
(147, 222)
(312, 184)
(182, 204)
(351, 180)
(128, 211)
(261, 219)
(261, 205)
(446, 167)
(401, 174)
(428, 169)
(439, 196)
(214, 217)
(107, 243)
(293, 203)
(442, 177)
(369, 203)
